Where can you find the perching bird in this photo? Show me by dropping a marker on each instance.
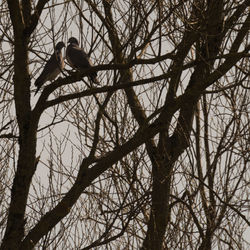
(78, 59)
(52, 68)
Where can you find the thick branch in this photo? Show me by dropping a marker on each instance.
(34, 18)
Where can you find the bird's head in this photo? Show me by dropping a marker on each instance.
(73, 40)
(60, 45)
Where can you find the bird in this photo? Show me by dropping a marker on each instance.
(78, 59)
(52, 68)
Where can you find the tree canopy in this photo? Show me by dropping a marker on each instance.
(156, 156)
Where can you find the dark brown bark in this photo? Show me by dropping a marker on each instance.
(27, 123)
(207, 34)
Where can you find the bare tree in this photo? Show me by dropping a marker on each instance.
(154, 157)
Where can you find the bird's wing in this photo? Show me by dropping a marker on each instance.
(48, 69)
(77, 58)
(51, 69)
